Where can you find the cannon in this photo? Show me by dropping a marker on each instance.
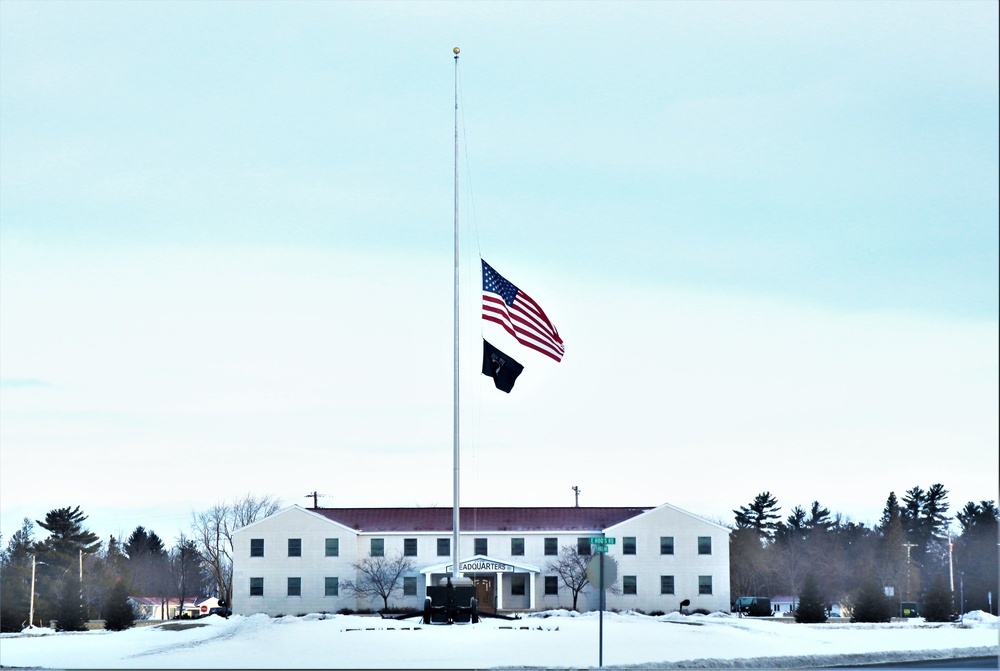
(450, 603)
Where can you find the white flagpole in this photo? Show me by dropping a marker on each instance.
(455, 515)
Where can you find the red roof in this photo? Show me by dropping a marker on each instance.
(479, 519)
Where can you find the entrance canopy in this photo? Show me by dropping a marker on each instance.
(488, 574)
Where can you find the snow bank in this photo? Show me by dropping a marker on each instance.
(551, 639)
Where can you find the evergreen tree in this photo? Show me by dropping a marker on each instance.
(186, 570)
(59, 556)
(938, 604)
(118, 612)
(69, 611)
(67, 537)
(891, 511)
(871, 604)
(819, 518)
(15, 579)
(976, 556)
(812, 605)
(761, 515)
(891, 564)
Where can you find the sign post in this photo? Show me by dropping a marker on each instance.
(601, 544)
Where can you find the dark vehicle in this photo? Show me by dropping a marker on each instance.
(753, 606)
(224, 612)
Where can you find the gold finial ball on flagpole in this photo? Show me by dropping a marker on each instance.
(456, 50)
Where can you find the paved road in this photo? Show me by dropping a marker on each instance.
(967, 663)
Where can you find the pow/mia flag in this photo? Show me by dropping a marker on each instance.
(500, 367)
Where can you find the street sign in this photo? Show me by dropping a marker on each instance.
(602, 540)
(601, 548)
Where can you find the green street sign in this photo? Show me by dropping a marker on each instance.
(601, 548)
(602, 540)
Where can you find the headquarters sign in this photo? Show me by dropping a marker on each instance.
(474, 565)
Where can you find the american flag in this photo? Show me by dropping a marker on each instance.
(523, 318)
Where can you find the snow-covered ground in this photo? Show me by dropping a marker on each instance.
(554, 639)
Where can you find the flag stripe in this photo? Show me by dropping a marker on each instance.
(523, 325)
(519, 314)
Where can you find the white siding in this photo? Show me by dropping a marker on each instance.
(275, 567)
(686, 565)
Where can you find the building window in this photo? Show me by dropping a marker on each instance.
(256, 547)
(295, 587)
(516, 547)
(331, 587)
(480, 547)
(628, 545)
(666, 545)
(294, 547)
(583, 546)
(628, 584)
(704, 584)
(551, 585)
(409, 547)
(256, 587)
(332, 547)
(704, 545)
(444, 547)
(666, 584)
(517, 584)
(409, 586)
(378, 547)
(551, 546)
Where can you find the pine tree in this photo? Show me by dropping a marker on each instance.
(976, 555)
(812, 606)
(67, 537)
(15, 579)
(871, 604)
(70, 615)
(118, 612)
(760, 515)
(938, 604)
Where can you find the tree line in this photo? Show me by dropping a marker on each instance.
(70, 576)
(908, 554)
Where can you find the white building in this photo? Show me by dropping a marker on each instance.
(295, 561)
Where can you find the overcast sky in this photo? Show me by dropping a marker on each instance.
(767, 233)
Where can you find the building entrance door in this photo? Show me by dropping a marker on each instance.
(485, 591)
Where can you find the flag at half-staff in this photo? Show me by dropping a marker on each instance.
(499, 366)
(523, 318)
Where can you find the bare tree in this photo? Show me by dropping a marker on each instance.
(571, 569)
(213, 532)
(378, 576)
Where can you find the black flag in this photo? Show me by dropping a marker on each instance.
(500, 367)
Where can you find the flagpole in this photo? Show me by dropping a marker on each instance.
(455, 514)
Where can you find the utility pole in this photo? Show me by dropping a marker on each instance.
(576, 491)
(315, 497)
(31, 608)
(908, 546)
(951, 565)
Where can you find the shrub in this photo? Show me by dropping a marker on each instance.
(939, 604)
(871, 604)
(812, 606)
(118, 612)
(657, 613)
